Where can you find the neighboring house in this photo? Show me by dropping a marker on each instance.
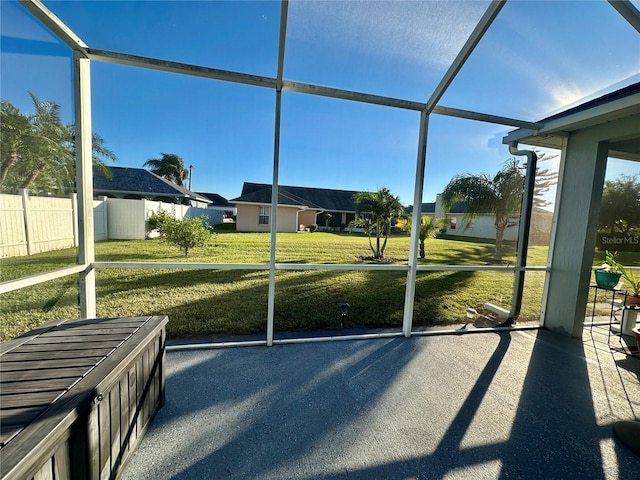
(218, 202)
(138, 183)
(436, 210)
(483, 226)
(298, 207)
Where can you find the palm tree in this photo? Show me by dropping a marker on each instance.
(375, 213)
(16, 137)
(429, 228)
(482, 194)
(169, 166)
(38, 150)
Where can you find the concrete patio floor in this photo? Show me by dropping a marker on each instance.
(521, 404)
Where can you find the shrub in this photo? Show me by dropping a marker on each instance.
(313, 227)
(186, 234)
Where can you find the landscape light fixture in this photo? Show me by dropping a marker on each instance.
(344, 307)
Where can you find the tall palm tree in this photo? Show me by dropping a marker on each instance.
(38, 150)
(375, 213)
(500, 195)
(16, 133)
(169, 166)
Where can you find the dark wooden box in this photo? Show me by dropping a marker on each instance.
(76, 396)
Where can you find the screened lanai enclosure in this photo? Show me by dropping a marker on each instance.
(504, 138)
(343, 96)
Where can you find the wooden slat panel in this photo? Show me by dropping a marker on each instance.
(140, 394)
(157, 359)
(7, 432)
(19, 416)
(125, 419)
(152, 392)
(105, 437)
(93, 444)
(146, 387)
(31, 399)
(133, 400)
(77, 347)
(114, 416)
(95, 340)
(121, 329)
(36, 385)
(22, 355)
(67, 372)
(46, 471)
(61, 465)
(20, 341)
(49, 363)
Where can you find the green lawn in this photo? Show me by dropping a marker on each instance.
(209, 302)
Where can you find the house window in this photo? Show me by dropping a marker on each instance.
(452, 225)
(263, 215)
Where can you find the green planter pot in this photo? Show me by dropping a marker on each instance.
(606, 279)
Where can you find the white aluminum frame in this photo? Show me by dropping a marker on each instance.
(82, 56)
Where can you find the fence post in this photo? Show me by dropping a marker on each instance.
(74, 217)
(145, 217)
(24, 192)
(105, 217)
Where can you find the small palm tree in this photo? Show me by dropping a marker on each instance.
(169, 166)
(375, 214)
(500, 195)
(429, 228)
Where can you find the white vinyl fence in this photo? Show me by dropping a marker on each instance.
(32, 224)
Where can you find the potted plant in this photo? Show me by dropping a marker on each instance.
(608, 275)
(632, 282)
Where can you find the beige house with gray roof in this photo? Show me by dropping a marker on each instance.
(298, 207)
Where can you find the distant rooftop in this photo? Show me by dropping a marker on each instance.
(216, 200)
(321, 198)
(138, 181)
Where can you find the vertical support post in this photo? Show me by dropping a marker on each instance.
(578, 203)
(276, 167)
(274, 222)
(410, 291)
(84, 183)
(24, 193)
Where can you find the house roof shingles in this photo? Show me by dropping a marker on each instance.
(141, 182)
(216, 200)
(320, 198)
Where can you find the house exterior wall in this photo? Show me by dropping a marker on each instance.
(481, 227)
(307, 217)
(289, 218)
(247, 220)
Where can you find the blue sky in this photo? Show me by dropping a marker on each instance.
(538, 58)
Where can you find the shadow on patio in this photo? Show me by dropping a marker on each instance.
(509, 405)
